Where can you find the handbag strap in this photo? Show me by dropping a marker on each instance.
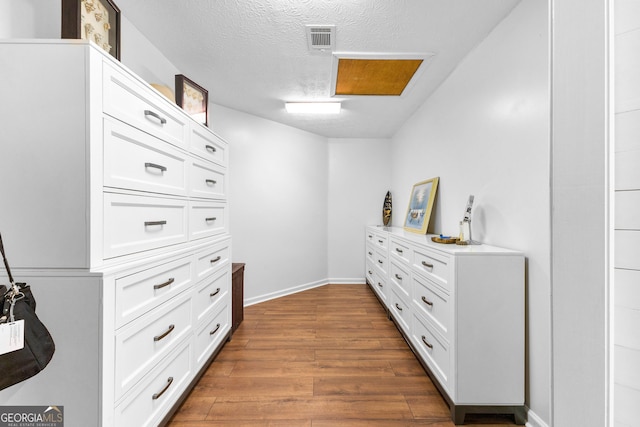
(6, 263)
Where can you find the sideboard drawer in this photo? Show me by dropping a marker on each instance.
(211, 333)
(207, 145)
(401, 309)
(206, 180)
(207, 219)
(400, 251)
(433, 348)
(433, 303)
(138, 223)
(138, 161)
(153, 398)
(400, 276)
(432, 265)
(212, 259)
(208, 293)
(145, 341)
(380, 261)
(131, 102)
(140, 292)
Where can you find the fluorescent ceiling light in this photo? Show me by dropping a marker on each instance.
(313, 107)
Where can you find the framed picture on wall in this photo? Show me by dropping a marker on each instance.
(423, 196)
(94, 20)
(193, 98)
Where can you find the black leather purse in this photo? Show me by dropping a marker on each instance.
(18, 304)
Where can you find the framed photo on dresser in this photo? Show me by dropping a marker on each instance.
(423, 196)
(94, 20)
(193, 98)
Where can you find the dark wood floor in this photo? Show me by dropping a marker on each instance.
(326, 357)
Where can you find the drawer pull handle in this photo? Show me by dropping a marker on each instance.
(380, 261)
(380, 285)
(426, 301)
(215, 330)
(399, 250)
(211, 181)
(150, 223)
(213, 218)
(424, 340)
(162, 285)
(210, 148)
(157, 395)
(381, 241)
(370, 272)
(216, 259)
(399, 277)
(153, 165)
(156, 115)
(426, 264)
(371, 253)
(398, 307)
(370, 236)
(213, 294)
(167, 332)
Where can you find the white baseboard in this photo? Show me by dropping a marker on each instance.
(533, 420)
(284, 292)
(356, 281)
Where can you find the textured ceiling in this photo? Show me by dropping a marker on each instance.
(252, 55)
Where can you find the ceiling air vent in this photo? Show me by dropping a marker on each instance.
(321, 37)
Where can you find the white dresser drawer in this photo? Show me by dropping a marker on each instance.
(208, 293)
(137, 223)
(369, 271)
(207, 219)
(207, 180)
(208, 145)
(371, 253)
(138, 161)
(140, 292)
(152, 399)
(432, 265)
(400, 277)
(433, 303)
(380, 261)
(212, 259)
(401, 309)
(379, 285)
(211, 333)
(380, 241)
(400, 251)
(136, 104)
(141, 344)
(434, 349)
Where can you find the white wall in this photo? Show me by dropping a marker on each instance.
(485, 132)
(359, 178)
(627, 221)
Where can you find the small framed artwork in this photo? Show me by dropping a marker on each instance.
(423, 195)
(95, 20)
(193, 99)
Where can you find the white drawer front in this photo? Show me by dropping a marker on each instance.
(369, 271)
(400, 277)
(128, 100)
(371, 253)
(380, 261)
(212, 259)
(140, 292)
(207, 180)
(401, 310)
(380, 241)
(153, 398)
(145, 341)
(138, 161)
(432, 265)
(211, 333)
(399, 251)
(208, 145)
(207, 219)
(433, 303)
(379, 285)
(136, 223)
(434, 350)
(209, 293)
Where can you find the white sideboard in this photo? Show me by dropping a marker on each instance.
(461, 309)
(114, 209)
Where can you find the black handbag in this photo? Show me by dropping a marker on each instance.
(18, 304)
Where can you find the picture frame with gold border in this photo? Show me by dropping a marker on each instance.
(423, 196)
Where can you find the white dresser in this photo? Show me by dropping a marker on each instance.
(462, 310)
(114, 209)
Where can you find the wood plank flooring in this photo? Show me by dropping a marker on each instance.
(325, 357)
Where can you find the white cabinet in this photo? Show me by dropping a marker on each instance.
(461, 308)
(111, 184)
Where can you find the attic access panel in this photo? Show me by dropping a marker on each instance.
(381, 77)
